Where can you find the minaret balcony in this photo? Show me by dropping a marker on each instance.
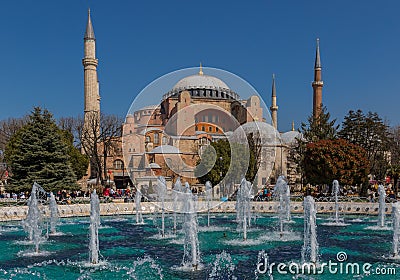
(318, 83)
(90, 61)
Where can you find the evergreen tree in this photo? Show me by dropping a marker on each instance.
(37, 153)
(371, 133)
(320, 128)
(79, 162)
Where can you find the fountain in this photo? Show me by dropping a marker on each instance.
(161, 193)
(309, 251)
(382, 206)
(243, 209)
(208, 199)
(396, 230)
(191, 255)
(139, 216)
(176, 193)
(282, 193)
(33, 222)
(223, 267)
(94, 228)
(53, 214)
(145, 268)
(335, 193)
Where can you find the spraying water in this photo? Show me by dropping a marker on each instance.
(176, 193)
(396, 229)
(33, 222)
(145, 269)
(309, 251)
(335, 193)
(243, 213)
(191, 255)
(94, 228)
(223, 267)
(382, 206)
(53, 213)
(208, 199)
(139, 216)
(282, 193)
(161, 193)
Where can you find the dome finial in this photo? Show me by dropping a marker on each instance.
(292, 125)
(201, 69)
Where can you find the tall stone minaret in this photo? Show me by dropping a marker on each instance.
(274, 107)
(91, 84)
(317, 85)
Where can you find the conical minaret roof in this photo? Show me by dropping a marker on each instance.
(89, 34)
(273, 85)
(317, 57)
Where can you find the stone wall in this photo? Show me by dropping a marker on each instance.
(14, 213)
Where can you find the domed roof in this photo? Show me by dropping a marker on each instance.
(291, 136)
(268, 133)
(154, 165)
(200, 81)
(165, 149)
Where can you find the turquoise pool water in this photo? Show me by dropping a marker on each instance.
(130, 251)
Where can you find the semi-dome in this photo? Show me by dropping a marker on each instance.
(268, 134)
(290, 137)
(200, 81)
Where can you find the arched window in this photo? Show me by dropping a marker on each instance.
(147, 139)
(164, 140)
(118, 164)
(156, 138)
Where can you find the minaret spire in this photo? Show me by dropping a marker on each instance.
(292, 125)
(89, 34)
(274, 107)
(317, 57)
(317, 84)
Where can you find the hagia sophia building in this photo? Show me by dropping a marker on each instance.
(168, 139)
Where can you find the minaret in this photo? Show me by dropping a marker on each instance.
(274, 107)
(317, 85)
(91, 84)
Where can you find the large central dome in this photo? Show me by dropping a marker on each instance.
(200, 81)
(204, 87)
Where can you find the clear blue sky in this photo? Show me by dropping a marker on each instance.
(138, 41)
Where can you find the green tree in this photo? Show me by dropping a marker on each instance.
(37, 153)
(371, 133)
(319, 128)
(316, 129)
(222, 160)
(79, 162)
(327, 160)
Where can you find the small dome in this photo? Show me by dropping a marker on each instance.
(165, 149)
(200, 81)
(290, 137)
(268, 133)
(154, 165)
